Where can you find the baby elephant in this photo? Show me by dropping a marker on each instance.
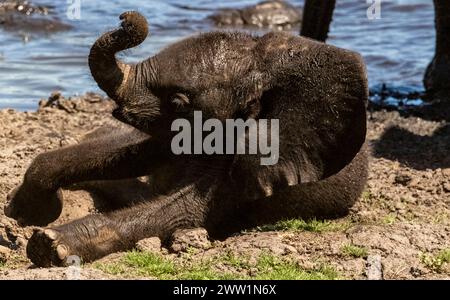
(317, 92)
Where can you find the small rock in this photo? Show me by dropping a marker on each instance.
(399, 206)
(428, 174)
(290, 249)
(21, 242)
(446, 172)
(67, 141)
(3, 241)
(67, 105)
(43, 103)
(374, 267)
(402, 179)
(152, 244)
(4, 254)
(417, 271)
(183, 239)
(446, 187)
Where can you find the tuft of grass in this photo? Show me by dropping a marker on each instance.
(389, 219)
(366, 196)
(148, 264)
(312, 225)
(354, 251)
(440, 218)
(116, 268)
(267, 266)
(14, 261)
(270, 267)
(436, 262)
(232, 260)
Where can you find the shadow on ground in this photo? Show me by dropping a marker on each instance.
(416, 150)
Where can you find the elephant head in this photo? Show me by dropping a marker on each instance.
(318, 93)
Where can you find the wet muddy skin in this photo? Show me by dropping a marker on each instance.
(269, 14)
(26, 17)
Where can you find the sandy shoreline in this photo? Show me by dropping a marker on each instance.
(403, 216)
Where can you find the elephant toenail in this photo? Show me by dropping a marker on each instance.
(62, 251)
(51, 233)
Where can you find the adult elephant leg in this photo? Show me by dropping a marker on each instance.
(317, 16)
(125, 154)
(95, 236)
(437, 75)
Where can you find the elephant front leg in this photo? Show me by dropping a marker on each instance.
(125, 154)
(95, 236)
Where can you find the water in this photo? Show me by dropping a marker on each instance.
(396, 48)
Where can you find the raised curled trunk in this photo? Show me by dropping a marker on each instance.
(111, 74)
(437, 76)
(317, 16)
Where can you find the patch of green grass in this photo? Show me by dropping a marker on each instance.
(440, 218)
(14, 261)
(115, 268)
(270, 267)
(203, 272)
(232, 260)
(389, 219)
(267, 266)
(149, 264)
(354, 251)
(436, 262)
(191, 251)
(366, 195)
(312, 225)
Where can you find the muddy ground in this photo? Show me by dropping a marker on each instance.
(403, 217)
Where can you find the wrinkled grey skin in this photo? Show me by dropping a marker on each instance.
(317, 91)
(273, 14)
(24, 16)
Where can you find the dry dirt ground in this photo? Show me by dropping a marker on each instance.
(402, 219)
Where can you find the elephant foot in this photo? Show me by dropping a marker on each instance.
(436, 77)
(46, 249)
(31, 206)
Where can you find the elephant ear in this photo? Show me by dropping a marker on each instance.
(319, 96)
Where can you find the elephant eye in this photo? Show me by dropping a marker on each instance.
(180, 102)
